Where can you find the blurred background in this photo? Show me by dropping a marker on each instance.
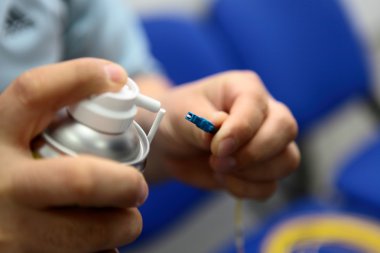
(322, 58)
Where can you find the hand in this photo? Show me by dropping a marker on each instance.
(253, 149)
(65, 204)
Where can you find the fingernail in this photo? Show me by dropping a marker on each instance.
(226, 147)
(115, 73)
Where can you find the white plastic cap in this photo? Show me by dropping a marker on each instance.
(113, 112)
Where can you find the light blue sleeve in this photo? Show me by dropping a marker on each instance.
(30, 36)
(111, 30)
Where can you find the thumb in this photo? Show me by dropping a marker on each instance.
(33, 98)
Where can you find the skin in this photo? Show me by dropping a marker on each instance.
(88, 204)
(66, 204)
(253, 149)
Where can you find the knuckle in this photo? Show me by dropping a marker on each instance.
(246, 128)
(27, 86)
(254, 87)
(79, 180)
(285, 164)
(127, 229)
(291, 161)
(288, 162)
(247, 74)
(92, 235)
(259, 156)
(253, 155)
(108, 229)
(134, 228)
(250, 75)
(135, 185)
(287, 122)
(98, 235)
(93, 70)
(124, 228)
(245, 77)
(294, 159)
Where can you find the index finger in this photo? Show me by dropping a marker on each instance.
(34, 97)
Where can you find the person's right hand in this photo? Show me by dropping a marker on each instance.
(65, 204)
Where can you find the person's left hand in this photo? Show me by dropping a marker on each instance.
(253, 149)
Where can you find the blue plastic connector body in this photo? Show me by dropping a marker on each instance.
(201, 123)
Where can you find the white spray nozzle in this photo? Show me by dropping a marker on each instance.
(148, 103)
(114, 112)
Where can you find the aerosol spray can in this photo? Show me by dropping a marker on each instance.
(103, 126)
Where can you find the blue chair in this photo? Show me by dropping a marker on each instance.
(308, 225)
(307, 55)
(305, 51)
(359, 179)
(186, 54)
(310, 58)
(185, 51)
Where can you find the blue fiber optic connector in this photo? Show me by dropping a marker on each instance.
(201, 123)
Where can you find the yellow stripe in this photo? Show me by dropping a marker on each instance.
(361, 233)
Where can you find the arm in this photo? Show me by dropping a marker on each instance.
(254, 147)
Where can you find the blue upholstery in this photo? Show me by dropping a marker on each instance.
(185, 51)
(359, 179)
(166, 204)
(299, 219)
(308, 56)
(186, 54)
(305, 51)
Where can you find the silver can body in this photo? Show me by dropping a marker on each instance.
(66, 136)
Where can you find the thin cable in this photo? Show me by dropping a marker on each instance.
(239, 226)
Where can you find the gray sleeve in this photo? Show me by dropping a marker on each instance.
(110, 30)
